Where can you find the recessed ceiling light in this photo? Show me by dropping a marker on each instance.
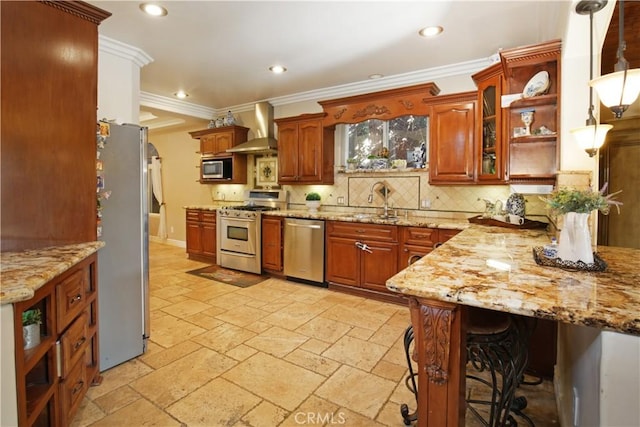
(430, 31)
(277, 69)
(181, 94)
(153, 9)
(376, 76)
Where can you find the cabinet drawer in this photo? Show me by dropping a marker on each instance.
(209, 216)
(72, 390)
(374, 232)
(193, 215)
(73, 343)
(420, 236)
(446, 234)
(70, 298)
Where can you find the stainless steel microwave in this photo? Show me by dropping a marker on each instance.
(216, 168)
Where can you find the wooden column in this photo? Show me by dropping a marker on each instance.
(440, 353)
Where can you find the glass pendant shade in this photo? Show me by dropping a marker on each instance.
(610, 89)
(591, 137)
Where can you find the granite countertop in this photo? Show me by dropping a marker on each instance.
(458, 272)
(22, 273)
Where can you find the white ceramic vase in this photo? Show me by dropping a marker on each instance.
(31, 335)
(575, 238)
(313, 205)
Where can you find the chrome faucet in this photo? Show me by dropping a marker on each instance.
(386, 190)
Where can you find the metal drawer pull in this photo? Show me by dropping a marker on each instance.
(79, 343)
(74, 299)
(363, 246)
(77, 387)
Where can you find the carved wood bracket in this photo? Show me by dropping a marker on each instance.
(433, 337)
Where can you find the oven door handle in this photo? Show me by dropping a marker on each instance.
(239, 219)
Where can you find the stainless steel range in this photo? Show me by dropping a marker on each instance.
(239, 235)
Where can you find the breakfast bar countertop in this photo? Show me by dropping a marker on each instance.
(458, 272)
(24, 272)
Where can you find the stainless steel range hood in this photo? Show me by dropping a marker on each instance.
(264, 143)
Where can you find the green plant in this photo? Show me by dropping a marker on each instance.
(352, 160)
(31, 317)
(567, 199)
(312, 196)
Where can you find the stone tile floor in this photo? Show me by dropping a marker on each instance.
(277, 353)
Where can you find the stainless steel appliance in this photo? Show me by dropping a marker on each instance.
(239, 230)
(212, 168)
(123, 263)
(304, 249)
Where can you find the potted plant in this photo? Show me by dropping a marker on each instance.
(575, 206)
(31, 321)
(352, 163)
(313, 201)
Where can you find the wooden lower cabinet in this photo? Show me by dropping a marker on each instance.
(53, 377)
(201, 235)
(272, 244)
(361, 257)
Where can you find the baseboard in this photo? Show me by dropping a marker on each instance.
(171, 242)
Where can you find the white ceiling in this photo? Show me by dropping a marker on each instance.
(219, 51)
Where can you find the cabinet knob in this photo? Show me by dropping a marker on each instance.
(74, 299)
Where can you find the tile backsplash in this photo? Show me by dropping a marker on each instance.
(409, 190)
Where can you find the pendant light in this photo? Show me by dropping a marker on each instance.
(591, 136)
(619, 89)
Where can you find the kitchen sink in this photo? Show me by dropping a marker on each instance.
(358, 216)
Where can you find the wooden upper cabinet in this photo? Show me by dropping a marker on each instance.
(534, 157)
(215, 141)
(491, 151)
(305, 150)
(451, 144)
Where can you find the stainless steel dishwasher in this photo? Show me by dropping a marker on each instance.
(304, 250)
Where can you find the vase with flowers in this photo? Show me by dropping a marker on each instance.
(575, 206)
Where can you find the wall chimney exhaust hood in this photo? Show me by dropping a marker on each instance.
(264, 142)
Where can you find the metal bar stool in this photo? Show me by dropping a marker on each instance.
(497, 355)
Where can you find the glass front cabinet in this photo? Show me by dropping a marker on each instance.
(491, 152)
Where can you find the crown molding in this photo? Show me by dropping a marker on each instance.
(391, 82)
(176, 106)
(123, 50)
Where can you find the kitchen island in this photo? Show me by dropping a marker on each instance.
(493, 268)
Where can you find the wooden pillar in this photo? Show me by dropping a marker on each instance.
(440, 353)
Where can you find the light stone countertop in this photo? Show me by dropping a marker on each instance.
(458, 272)
(22, 273)
(455, 222)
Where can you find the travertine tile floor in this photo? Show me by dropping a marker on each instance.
(278, 353)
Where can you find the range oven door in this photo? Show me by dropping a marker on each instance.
(238, 235)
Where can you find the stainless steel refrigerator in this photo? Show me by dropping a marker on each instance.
(123, 263)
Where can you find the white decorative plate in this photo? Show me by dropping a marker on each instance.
(537, 85)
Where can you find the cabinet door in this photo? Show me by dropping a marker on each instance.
(343, 261)
(410, 254)
(451, 145)
(208, 239)
(272, 243)
(194, 238)
(208, 144)
(378, 265)
(223, 142)
(310, 151)
(490, 156)
(288, 152)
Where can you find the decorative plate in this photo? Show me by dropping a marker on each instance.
(537, 85)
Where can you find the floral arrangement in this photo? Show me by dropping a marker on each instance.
(564, 200)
